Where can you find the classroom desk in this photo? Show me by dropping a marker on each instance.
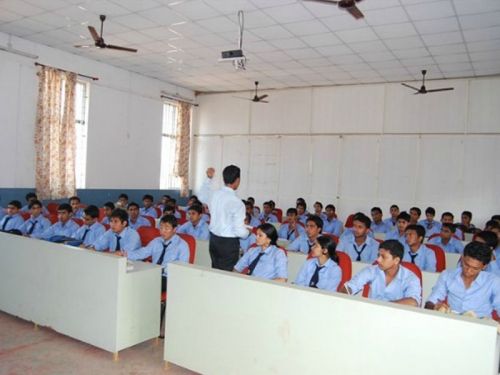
(84, 294)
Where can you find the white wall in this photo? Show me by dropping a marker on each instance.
(125, 115)
(359, 146)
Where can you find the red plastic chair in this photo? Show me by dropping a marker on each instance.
(412, 267)
(52, 207)
(151, 220)
(159, 212)
(53, 218)
(147, 234)
(107, 226)
(349, 221)
(101, 214)
(440, 257)
(279, 214)
(77, 220)
(183, 215)
(25, 215)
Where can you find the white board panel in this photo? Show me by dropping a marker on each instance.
(326, 151)
(484, 110)
(206, 152)
(236, 150)
(222, 114)
(349, 109)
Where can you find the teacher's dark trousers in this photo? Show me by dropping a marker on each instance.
(224, 252)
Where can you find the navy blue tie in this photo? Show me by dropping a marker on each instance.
(7, 219)
(118, 247)
(315, 277)
(85, 234)
(33, 227)
(413, 256)
(160, 259)
(358, 258)
(252, 265)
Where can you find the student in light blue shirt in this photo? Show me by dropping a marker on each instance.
(302, 212)
(490, 239)
(360, 247)
(75, 204)
(245, 243)
(447, 217)
(291, 229)
(431, 226)
(378, 225)
(415, 214)
(322, 271)
(167, 248)
(194, 226)
(416, 252)
(108, 209)
(64, 229)
(266, 260)
(37, 223)
(254, 221)
(331, 224)
(318, 210)
(393, 220)
(388, 279)
(165, 199)
(305, 242)
(13, 221)
(90, 231)
(134, 219)
(468, 288)
(267, 215)
(399, 232)
(120, 237)
(30, 198)
(446, 241)
(148, 209)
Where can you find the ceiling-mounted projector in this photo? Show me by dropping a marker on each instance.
(236, 56)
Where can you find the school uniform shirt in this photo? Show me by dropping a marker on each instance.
(382, 227)
(425, 258)
(89, 234)
(333, 226)
(245, 243)
(11, 222)
(453, 245)
(35, 226)
(390, 222)
(176, 249)
(255, 222)
(459, 233)
(140, 222)
(200, 231)
(289, 234)
(329, 274)
(79, 214)
(301, 243)
(368, 251)
(105, 220)
(26, 208)
(151, 211)
(322, 216)
(206, 218)
(129, 240)
(303, 218)
(272, 264)
(67, 229)
(404, 285)
(227, 214)
(482, 297)
(431, 227)
(494, 267)
(394, 235)
(271, 218)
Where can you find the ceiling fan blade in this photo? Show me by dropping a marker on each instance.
(355, 12)
(443, 89)
(262, 101)
(110, 46)
(411, 87)
(262, 97)
(94, 34)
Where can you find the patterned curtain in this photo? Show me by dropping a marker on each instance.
(55, 134)
(182, 146)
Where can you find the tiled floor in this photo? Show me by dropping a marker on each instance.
(24, 351)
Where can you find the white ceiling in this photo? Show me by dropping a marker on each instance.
(288, 43)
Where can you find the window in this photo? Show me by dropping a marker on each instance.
(81, 116)
(168, 140)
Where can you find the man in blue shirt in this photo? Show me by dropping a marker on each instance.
(305, 242)
(13, 221)
(360, 247)
(302, 212)
(245, 243)
(431, 226)
(64, 229)
(416, 252)
(447, 217)
(195, 226)
(254, 221)
(399, 232)
(318, 210)
(37, 223)
(120, 237)
(415, 214)
(91, 231)
(392, 221)
(331, 224)
(108, 209)
(30, 198)
(75, 204)
(446, 241)
(491, 240)
(378, 225)
(148, 209)
(267, 215)
(134, 219)
(167, 248)
(388, 279)
(468, 288)
(291, 229)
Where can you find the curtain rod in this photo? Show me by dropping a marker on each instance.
(179, 99)
(63, 70)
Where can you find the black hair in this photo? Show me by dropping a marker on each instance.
(92, 211)
(329, 244)
(169, 197)
(34, 203)
(417, 210)
(195, 197)
(31, 195)
(74, 198)
(301, 200)
(330, 206)
(468, 214)
(404, 216)
(109, 205)
(270, 232)
(417, 228)
(291, 211)
(447, 214)
(230, 174)
(395, 206)
(172, 201)
(430, 210)
(394, 247)
(267, 203)
(493, 224)
(123, 195)
(247, 203)
(478, 251)
(316, 220)
(302, 204)
(168, 207)
(16, 204)
(65, 207)
(450, 226)
(495, 217)
(319, 203)
(170, 219)
(361, 217)
(251, 199)
(148, 197)
(272, 204)
(133, 204)
(376, 209)
(489, 237)
(120, 214)
(197, 208)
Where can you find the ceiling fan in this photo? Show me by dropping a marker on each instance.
(422, 89)
(99, 41)
(256, 98)
(348, 5)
